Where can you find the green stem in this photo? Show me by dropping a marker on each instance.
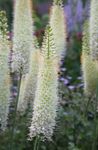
(36, 144)
(95, 135)
(15, 113)
(87, 106)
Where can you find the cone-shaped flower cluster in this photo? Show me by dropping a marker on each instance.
(90, 73)
(39, 68)
(22, 40)
(90, 51)
(94, 29)
(46, 97)
(28, 82)
(58, 25)
(4, 71)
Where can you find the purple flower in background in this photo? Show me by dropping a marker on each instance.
(71, 87)
(79, 12)
(69, 18)
(87, 9)
(63, 69)
(69, 2)
(68, 77)
(62, 79)
(43, 8)
(76, 14)
(66, 81)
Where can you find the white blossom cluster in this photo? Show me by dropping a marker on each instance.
(90, 51)
(4, 71)
(28, 84)
(29, 81)
(46, 96)
(58, 26)
(39, 83)
(94, 29)
(88, 65)
(23, 36)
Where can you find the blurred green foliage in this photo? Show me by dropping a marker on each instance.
(7, 6)
(77, 126)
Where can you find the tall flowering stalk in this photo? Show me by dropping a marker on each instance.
(58, 25)
(90, 73)
(22, 40)
(28, 84)
(94, 29)
(4, 71)
(46, 96)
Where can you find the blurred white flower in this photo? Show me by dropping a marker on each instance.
(23, 36)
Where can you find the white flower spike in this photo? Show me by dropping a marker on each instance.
(4, 71)
(23, 36)
(46, 96)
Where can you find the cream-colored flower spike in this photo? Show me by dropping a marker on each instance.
(28, 82)
(94, 29)
(23, 36)
(90, 73)
(58, 25)
(4, 71)
(46, 96)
